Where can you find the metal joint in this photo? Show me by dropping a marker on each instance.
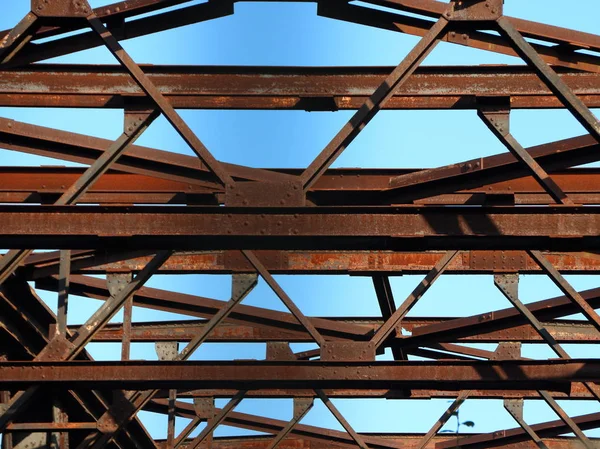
(242, 284)
(474, 10)
(265, 194)
(61, 8)
(347, 351)
(508, 283)
(514, 407)
(166, 350)
(205, 408)
(496, 112)
(116, 282)
(279, 350)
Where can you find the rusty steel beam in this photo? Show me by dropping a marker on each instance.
(114, 15)
(304, 88)
(408, 441)
(489, 170)
(34, 321)
(27, 138)
(400, 228)
(493, 178)
(268, 425)
(516, 435)
(556, 375)
(498, 320)
(44, 185)
(536, 30)
(488, 228)
(560, 54)
(373, 104)
(317, 435)
(563, 331)
(577, 392)
(41, 265)
(113, 12)
(282, 322)
(263, 424)
(431, 331)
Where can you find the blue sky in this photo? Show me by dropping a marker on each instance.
(292, 34)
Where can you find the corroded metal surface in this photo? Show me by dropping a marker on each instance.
(138, 211)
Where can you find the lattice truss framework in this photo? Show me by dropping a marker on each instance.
(525, 211)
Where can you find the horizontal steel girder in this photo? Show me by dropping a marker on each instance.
(564, 331)
(497, 179)
(506, 375)
(41, 265)
(506, 438)
(308, 88)
(45, 184)
(399, 228)
(405, 441)
(272, 323)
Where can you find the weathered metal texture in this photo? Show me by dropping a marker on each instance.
(564, 331)
(313, 262)
(560, 55)
(33, 321)
(336, 438)
(310, 88)
(415, 228)
(431, 331)
(549, 374)
(44, 185)
(407, 441)
(487, 177)
(226, 218)
(61, 9)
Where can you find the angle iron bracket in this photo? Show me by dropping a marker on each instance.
(116, 282)
(347, 351)
(497, 111)
(514, 407)
(59, 9)
(205, 408)
(508, 283)
(474, 10)
(242, 284)
(302, 405)
(133, 117)
(166, 350)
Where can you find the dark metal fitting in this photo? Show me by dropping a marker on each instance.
(474, 10)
